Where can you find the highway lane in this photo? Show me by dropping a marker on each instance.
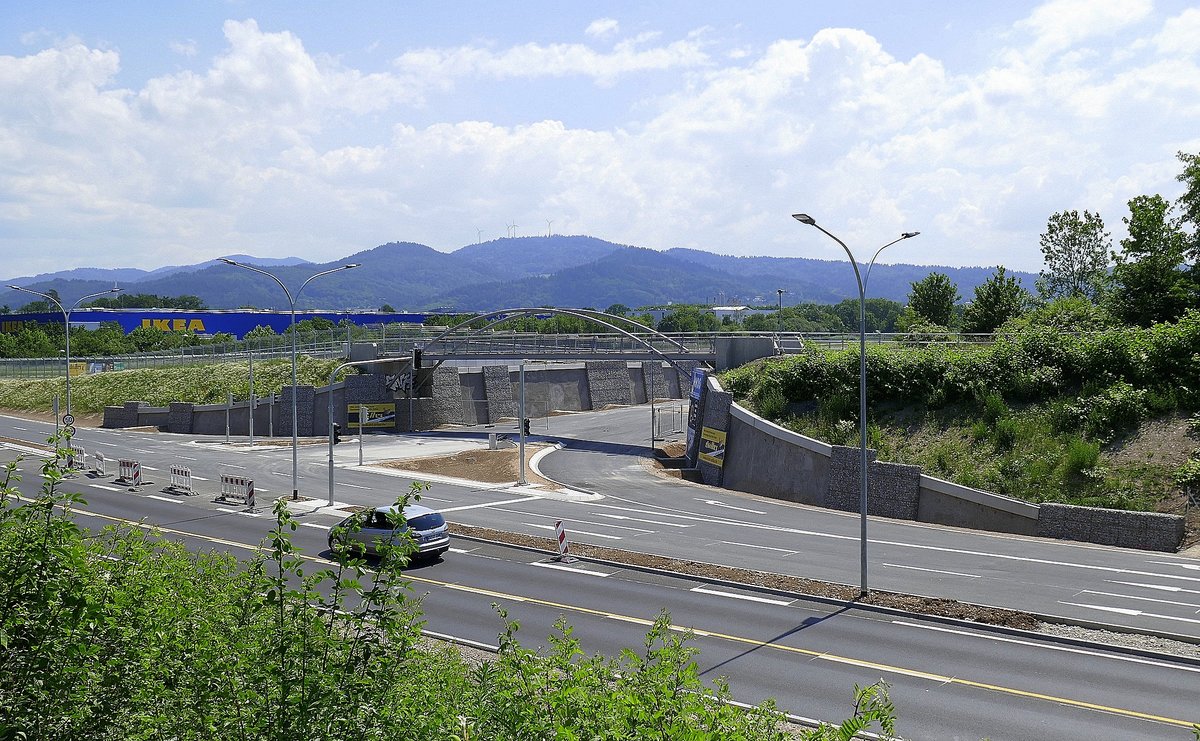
(639, 511)
(949, 680)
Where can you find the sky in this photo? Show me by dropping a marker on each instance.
(143, 134)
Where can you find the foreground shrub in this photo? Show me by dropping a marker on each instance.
(124, 634)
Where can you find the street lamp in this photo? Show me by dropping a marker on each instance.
(779, 314)
(67, 324)
(292, 302)
(862, 384)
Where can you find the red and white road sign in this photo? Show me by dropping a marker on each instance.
(561, 533)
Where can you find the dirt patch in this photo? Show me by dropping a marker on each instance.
(81, 420)
(491, 466)
(1166, 444)
(781, 582)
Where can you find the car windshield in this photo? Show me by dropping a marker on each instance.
(427, 522)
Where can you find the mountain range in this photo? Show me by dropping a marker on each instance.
(559, 270)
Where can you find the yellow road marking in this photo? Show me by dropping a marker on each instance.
(724, 636)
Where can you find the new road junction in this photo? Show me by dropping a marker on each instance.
(949, 679)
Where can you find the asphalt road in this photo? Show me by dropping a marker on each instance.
(949, 681)
(606, 453)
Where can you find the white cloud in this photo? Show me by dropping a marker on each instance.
(551, 60)
(273, 150)
(602, 27)
(1060, 24)
(184, 48)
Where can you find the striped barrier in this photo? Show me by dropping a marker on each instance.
(239, 489)
(181, 479)
(564, 548)
(99, 466)
(129, 472)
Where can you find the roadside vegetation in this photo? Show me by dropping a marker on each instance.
(1035, 415)
(200, 384)
(124, 634)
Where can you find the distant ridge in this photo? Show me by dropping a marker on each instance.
(558, 270)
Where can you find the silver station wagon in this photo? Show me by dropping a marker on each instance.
(427, 527)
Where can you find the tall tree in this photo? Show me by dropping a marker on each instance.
(933, 298)
(1076, 253)
(998, 299)
(1149, 282)
(1189, 202)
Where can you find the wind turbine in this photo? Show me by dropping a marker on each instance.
(548, 223)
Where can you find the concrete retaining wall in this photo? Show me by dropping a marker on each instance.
(764, 458)
(497, 384)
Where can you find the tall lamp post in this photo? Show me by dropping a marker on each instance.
(779, 314)
(67, 324)
(862, 384)
(291, 302)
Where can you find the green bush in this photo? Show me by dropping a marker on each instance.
(124, 634)
(1081, 456)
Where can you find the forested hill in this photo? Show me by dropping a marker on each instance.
(556, 270)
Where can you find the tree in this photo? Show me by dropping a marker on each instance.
(998, 299)
(387, 309)
(1076, 252)
(933, 298)
(618, 310)
(1189, 202)
(1149, 284)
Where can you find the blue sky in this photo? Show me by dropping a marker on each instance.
(147, 134)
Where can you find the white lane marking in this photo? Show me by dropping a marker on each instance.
(199, 478)
(145, 452)
(354, 486)
(639, 519)
(22, 429)
(149, 468)
(573, 531)
(456, 639)
(933, 571)
(461, 550)
(280, 473)
(1051, 646)
(1131, 613)
(1140, 599)
(432, 499)
(747, 597)
(716, 503)
(609, 524)
(315, 525)
(1192, 567)
(164, 499)
(230, 465)
(489, 504)
(238, 512)
(1159, 587)
(98, 442)
(106, 488)
(187, 458)
(759, 547)
(560, 567)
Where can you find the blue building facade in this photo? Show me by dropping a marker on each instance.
(236, 322)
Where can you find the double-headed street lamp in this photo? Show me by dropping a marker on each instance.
(292, 302)
(67, 324)
(862, 383)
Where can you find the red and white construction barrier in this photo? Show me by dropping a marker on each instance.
(76, 457)
(564, 548)
(238, 489)
(129, 472)
(181, 479)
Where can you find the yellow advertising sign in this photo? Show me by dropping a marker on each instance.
(77, 369)
(712, 446)
(378, 415)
